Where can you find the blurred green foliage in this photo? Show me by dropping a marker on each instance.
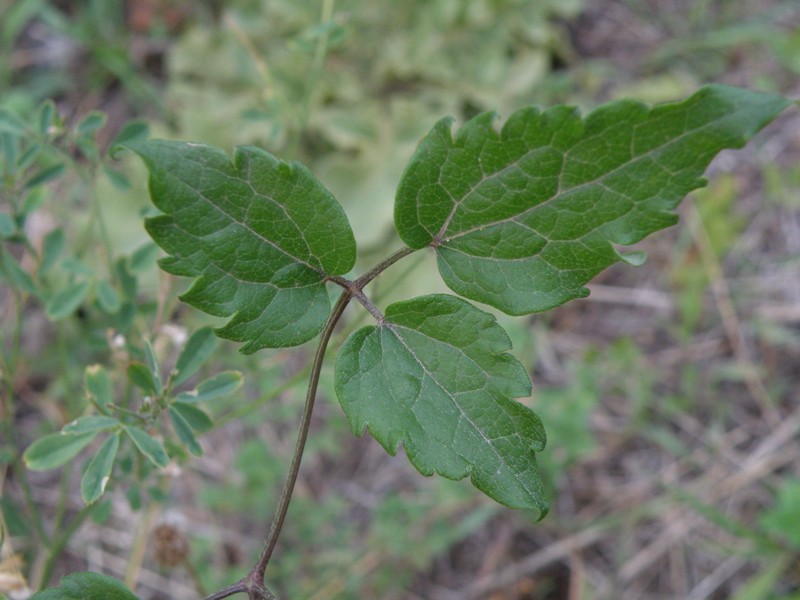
(348, 87)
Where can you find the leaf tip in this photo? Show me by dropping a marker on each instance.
(635, 259)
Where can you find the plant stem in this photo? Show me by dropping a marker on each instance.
(253, 583)
(362, 281)
(305, 422)
(355, 288)
(240, 587)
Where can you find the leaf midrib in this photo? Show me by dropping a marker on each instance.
(230, 217)
(489, 442)
(441, 236)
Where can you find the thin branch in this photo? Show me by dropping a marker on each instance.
(362, 281)
(368, 304)
(305, 422)
(240, 587)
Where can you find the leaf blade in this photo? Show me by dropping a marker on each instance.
(67, 301)
(90, 423)
(437, 377)
(199, 347)
(259, 235)
(521, 219)
(148, 445)
(98, 472)
(87, 586)
(56, 449)
(184, 431)
(220, 385)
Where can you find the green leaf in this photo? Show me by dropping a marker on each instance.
(222, 384)
(95, 478)
(522, 218)
(91, 123)
(107, 297)
(152, 364)
(9, 146)
(131, 131)
(148, 446)
(13, 271)
(127, 281)
(56, 449)
(76, 266)
(259, 235)
(16, 523)
(11, 123)
(29, 156)
(90, 423)
(140, 375)
(782, 519)
(765, 581)
(435, 375)
(143, 257)
(184, 431)
(117, 178)
(8, 226)
(64, 303)
(88, 148)
(195, 417)
(34, 199)
(52, 249)
(87, 586)
(15, 17)
(46, 174)
(48, 118)
(200, 345)
(98, 384)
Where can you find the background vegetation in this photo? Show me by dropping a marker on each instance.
(670, 396)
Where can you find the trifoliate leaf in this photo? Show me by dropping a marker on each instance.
(260, 236)
(87, 586)
(522, 218)
(435, 375)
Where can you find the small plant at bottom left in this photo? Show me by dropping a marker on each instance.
(73, 303)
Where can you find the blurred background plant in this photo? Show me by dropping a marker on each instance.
(670, 395)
